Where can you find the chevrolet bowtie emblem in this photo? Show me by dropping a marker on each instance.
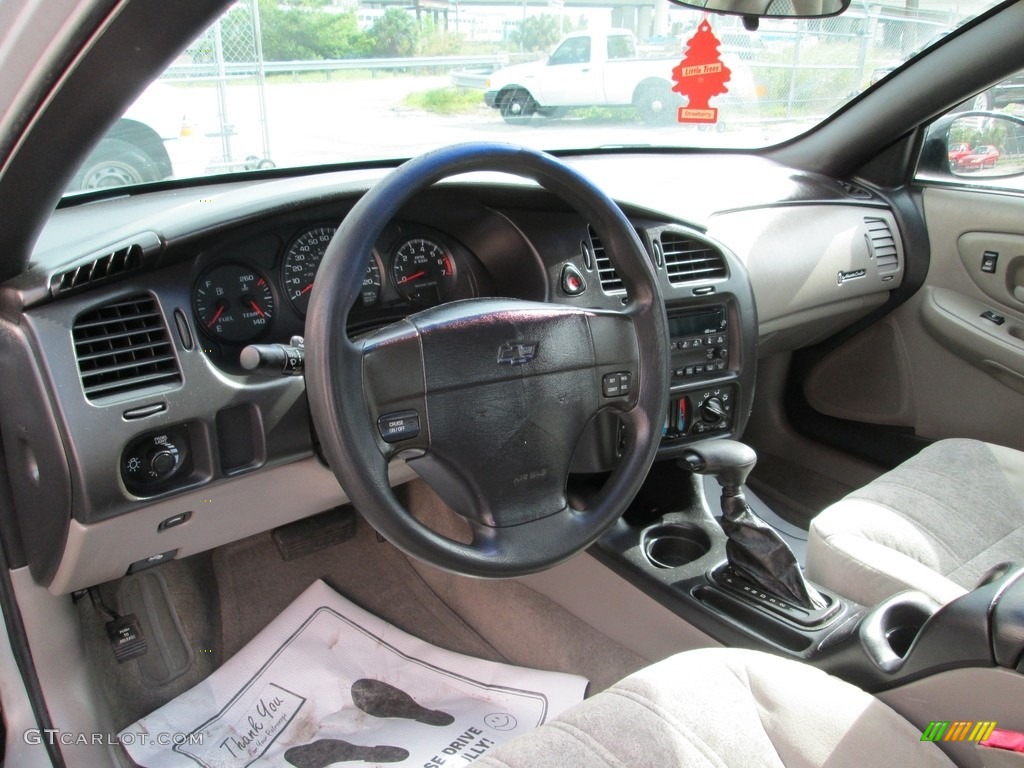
(514, 353)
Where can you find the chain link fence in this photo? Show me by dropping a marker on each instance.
(229, 56)
(805, 69)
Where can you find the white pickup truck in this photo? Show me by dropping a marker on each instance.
(586, 69)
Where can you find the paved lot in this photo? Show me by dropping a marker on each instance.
(345, 120)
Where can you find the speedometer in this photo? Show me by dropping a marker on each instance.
(302, 260)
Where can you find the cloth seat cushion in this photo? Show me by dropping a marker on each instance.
(724, 707)
(936, 523)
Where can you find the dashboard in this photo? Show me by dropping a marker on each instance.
(138, 435)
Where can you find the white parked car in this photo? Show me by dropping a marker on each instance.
(152, 141)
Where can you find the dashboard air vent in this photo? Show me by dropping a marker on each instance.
(124, 346)
(610, 281)
(855, 190)
(687, 259)
(115, 263)
(883, 244)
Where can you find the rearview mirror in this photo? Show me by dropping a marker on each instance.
(772, 9)
(973, 145)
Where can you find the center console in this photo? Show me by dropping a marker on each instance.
(671, 546)
(707, 380)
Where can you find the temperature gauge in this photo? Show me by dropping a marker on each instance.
(233, 303)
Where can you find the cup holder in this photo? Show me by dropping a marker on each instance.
(890, 629)
(675, 545)
(901, 638)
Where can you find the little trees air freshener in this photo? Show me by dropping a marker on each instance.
(700, 76)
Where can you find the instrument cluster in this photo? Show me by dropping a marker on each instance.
(237, 300)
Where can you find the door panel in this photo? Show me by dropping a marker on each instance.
(936, 365)
(995, 261)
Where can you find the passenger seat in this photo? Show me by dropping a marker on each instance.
(936, 523)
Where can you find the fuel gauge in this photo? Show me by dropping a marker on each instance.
(233, 303)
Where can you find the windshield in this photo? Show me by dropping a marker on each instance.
(314, 82)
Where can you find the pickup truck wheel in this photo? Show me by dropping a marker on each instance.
(518, 107)
(656, 103)
(115, 163)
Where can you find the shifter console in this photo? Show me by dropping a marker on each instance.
(756, 553)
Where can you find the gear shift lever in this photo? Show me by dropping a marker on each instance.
(755, 550)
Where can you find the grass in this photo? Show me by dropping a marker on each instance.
(446, 101)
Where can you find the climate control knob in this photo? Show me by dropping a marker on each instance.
(713, 412)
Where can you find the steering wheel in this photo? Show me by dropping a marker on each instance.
(486, 398)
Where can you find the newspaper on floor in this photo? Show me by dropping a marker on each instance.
(326, 682)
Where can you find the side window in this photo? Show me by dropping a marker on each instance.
(575, 50)
(620, 47)
(979, 142)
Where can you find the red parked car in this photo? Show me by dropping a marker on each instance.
(957, 152)
(983, 156)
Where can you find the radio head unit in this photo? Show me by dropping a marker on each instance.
(699, 343)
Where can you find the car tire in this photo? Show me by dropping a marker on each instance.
(983, 102)
(656, 103)
(518, 107)
(115, 163)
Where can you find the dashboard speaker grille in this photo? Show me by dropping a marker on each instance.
(883, 244)
(610, 281)
(124, 346)
(687, 260)
(114, 263)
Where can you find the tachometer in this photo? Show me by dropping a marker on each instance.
(233, 303)
(424, 271)
(302, 260)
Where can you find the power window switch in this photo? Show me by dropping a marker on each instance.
(992, 317)
(989, 259)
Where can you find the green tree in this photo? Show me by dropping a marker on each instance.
(438, 41)
(539, 33)
(395, 34)
(305, 30)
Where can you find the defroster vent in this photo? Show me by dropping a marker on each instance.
(122, 347)
(688, 260)
(107, 266)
